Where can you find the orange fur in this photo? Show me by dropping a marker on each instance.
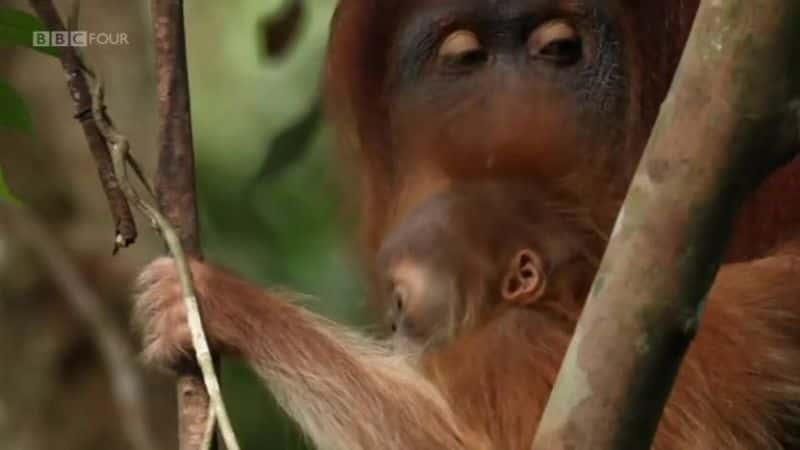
(558, 156)
(738, 389)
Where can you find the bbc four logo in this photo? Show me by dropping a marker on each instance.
(77, 39)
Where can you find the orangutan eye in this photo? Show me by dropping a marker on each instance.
(462, 47)
(555, 41)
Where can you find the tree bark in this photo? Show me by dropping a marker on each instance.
(727, 123)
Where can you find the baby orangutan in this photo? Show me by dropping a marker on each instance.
(442, 271)
(440, 284)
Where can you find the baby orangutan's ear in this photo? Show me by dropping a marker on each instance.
(525, 281)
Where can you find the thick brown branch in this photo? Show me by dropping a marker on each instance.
(125, 227)
(722, 129)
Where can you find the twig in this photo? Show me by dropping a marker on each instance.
(115, 350)
(121, 157)
(124, 225)
(724, 127)
(175, 190)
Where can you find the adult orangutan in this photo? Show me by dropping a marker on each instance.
(495, 140)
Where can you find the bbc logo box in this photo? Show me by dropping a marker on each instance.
(60, 38)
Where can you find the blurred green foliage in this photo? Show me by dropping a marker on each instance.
(17, 28)
(5, 193)
(270, 212)
(14, 112)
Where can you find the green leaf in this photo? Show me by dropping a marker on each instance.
(18, 28)
(5, 192)
(14, 112)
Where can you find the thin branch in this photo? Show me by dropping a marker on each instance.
(175, 186)
(117, 353)
(727, 123)
(124, 225)
(121, 158)
(175, 180)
